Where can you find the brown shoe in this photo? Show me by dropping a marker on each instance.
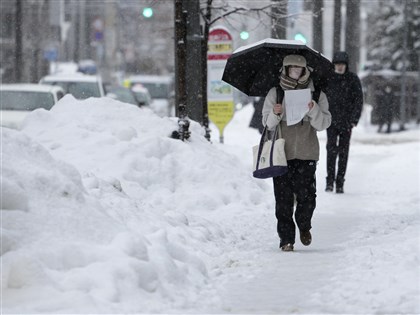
(287, 248)
(305, 237)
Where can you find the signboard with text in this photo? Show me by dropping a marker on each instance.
(220, 94)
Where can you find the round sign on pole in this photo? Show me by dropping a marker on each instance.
(220, 94)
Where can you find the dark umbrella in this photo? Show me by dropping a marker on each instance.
(254, 69)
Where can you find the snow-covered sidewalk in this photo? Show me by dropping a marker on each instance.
(365, 254)
(103, 213)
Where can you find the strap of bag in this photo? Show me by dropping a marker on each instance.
(260, 147)
(280, 94)
(280, 97)
(316, 94)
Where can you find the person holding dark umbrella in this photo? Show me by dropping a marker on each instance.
(345, 96)
(301, 148)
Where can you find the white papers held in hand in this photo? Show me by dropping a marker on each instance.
(296, 102)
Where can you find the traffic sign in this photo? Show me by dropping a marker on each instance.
(51, 54)
(220, 94)
(220, 45)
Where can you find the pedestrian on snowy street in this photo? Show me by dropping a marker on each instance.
(256, 120)
(386, 109)
(301, 148)
(345, 99)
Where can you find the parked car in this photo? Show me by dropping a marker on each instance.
(81, 86)
(17, 100)
(87, 66)
(142, 95)
(161, 89)
(121, 94)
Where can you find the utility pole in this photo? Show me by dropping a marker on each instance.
(180, 67)
(193, 71)
(18, 42)
(353, 33)
(317, 14)
(77, 30)
(404, 71)
(111, 27)
(337, 26)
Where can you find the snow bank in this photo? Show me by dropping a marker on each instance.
(99, 210)
(102, 212)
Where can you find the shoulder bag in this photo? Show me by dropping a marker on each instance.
(269, 156)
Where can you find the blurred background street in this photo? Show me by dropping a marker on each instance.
(117, 40)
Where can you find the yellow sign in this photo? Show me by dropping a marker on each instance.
(220, 48)
(221, 113)
(126, 83)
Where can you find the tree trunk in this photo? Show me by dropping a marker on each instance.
(353, 33)
(317, 13)
(180, 59)
(337, 26)
(204, 49)
(278, 19)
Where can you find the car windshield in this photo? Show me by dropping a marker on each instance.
(123, 95)
(23, 100)
(157, 90)
(79, 90)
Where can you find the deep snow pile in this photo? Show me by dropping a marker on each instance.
(98, 210)
(102, 212)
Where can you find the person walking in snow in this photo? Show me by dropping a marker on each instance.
(301, 148)
(385, 108)
(257, 116)
(345, 98)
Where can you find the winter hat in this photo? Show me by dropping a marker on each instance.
(288, 83)
(294, 60)
(341, 57)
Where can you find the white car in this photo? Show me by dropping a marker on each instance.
(80, 85)
(161, 89)
(18, 100)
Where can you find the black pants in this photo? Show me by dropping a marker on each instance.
(300, 182)
(338, 145)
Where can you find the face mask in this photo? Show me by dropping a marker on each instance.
(295, 72)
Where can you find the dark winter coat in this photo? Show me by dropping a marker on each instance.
(345, 99)
(256, 120)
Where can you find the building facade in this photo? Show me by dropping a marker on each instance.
(114, 34)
